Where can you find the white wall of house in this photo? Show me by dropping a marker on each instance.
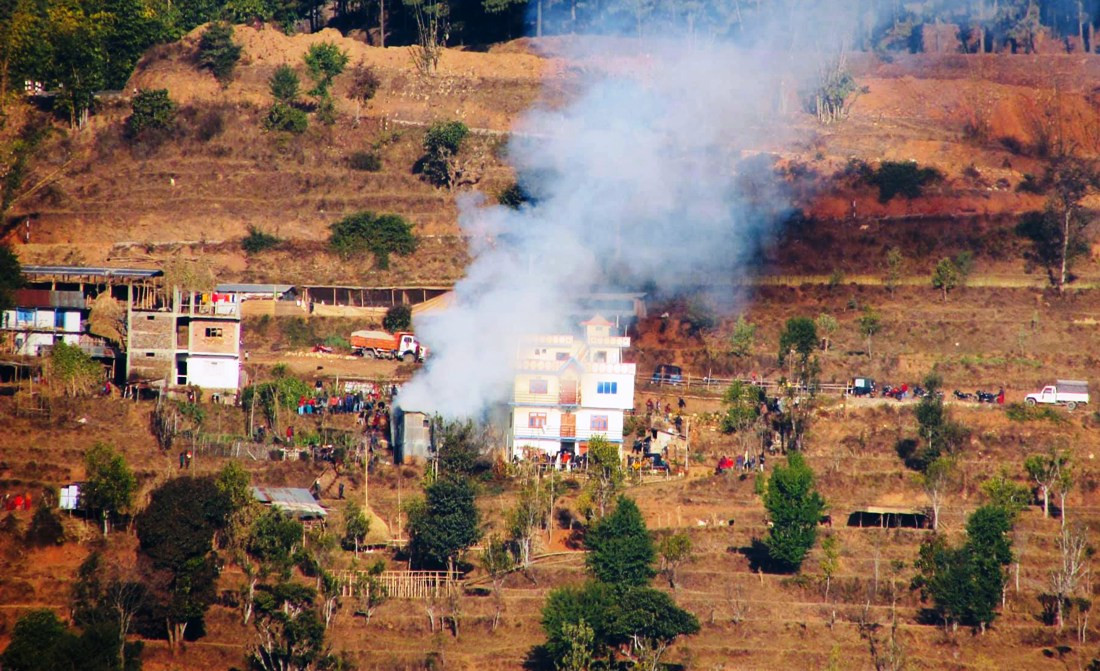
(212, 372)
(594, 386)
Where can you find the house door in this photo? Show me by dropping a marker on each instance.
(568, 425)
(568, 393)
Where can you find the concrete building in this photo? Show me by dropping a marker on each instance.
(569, 388)
(194, 341)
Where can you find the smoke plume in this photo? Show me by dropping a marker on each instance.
(658, 169)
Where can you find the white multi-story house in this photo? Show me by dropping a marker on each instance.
(569, 388)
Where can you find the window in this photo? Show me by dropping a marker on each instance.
(536, 420)
(59, 319)
(150, 318)
(607, 387)
(150, 354)
(599, 422)
(537, 387)
(561, 356)
(600, 356)
(213, 332)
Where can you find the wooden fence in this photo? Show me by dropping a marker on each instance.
(720, 384)
(406, 584)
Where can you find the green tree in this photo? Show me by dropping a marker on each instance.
(292, 634)
(742, 401)
(1045, 470)
(285, 85)
(176, 533)
(1004, 493)
(620, 549)
(110, 484)
(275, 540)
(965, 584)
(743, 337)
(498, 562)
(648, 621)
(444, 524)
(674, 550)
(566, 608)
(152, 109)
(794, 510)
(73, 369)
(826, 325)
(398, 318)
(356, 526)
(945, 277)
(895, 263)
(218, 52)
(11, 276)
(936, 478)
(442, 145)
(39, 642)
(286, 118)
(325, 61)
(938, 433)
(461, 445)
(830, 561)
(1072, 179)
(379, 235)
(605, 473)
(799, 335)
(76, 59)
(869, 324)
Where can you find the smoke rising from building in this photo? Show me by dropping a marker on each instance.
(657, 170)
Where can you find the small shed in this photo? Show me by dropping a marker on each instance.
(889, 517)
(294, 501)
(412, 436)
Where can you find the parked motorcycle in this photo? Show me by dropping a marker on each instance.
(986, 396)
(963, 396)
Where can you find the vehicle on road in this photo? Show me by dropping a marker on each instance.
(384, 345)
(1070, 393)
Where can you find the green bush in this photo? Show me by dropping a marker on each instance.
(284, 85)
(365, 160)
(398, 318)
(338, 342)
(258, 241)
(904, 178)
(298, 332)
(283, 117)
(442, 143)
(1021, 412)
(151, 109)
(513, 196)
(378, 234)
(218, 52)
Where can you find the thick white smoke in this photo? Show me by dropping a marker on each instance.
(641, 176)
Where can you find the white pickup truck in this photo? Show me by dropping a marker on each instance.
(1070, 393)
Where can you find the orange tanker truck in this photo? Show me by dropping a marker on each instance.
(385, 345)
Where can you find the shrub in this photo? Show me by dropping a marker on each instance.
(211, 125)
(903, 178)
(365, 82)
(442, 144)
(258, 241)
(338, 342)
(1030, 185)
(151, 109)
(365, 160)
(298, 332)
(381, 235)
(283, 117)
(45, 528)
(1020, 412)
(398, 318)
(218, 52)
(284, 84)
(513, 196)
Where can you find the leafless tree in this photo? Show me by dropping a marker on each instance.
(1074, 564)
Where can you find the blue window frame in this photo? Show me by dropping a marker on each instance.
(607, 387)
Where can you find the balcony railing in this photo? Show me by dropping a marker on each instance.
(522, 433)
(563, 398)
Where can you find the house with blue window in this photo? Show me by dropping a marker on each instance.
(569, 388)
(41, 318)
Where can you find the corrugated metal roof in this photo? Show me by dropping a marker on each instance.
(246, 288)
(101, 271)
(294, 500)
(44, 298)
